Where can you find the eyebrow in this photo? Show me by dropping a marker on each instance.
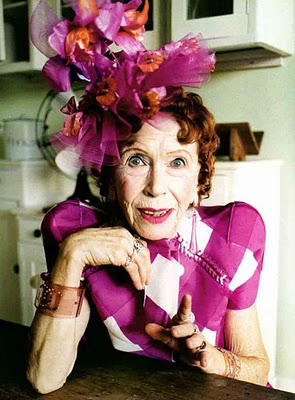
(169, 153)
(130, 148)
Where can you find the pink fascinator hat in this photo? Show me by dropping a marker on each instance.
(119, 86)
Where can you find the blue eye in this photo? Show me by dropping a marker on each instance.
(178, 163)
(134, 161)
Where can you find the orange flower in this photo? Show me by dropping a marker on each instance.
(150, 61)
(151, 103)
(78, 36)
(106, 91)
(137, 20)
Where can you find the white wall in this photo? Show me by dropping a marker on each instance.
(266, 98)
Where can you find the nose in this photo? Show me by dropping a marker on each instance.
(156, 184)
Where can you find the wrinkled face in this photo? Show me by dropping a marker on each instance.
(157, 178)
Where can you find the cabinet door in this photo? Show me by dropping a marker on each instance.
(221, 190)
(9, 279)
(213, 18)
(32, 263)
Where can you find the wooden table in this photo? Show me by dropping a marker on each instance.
(121, 377)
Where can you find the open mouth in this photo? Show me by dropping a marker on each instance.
(155, 216)
(154, 213)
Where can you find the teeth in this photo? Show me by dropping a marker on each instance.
(155, 213)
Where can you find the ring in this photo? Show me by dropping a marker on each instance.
(201, 347)
(190, 318)
(137, 246)
(129, 260)
(196, 330)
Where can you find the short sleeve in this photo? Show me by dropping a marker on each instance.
(62, 220)
(247, 230)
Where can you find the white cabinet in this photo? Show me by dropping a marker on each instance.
(31, 260)
(24, 187)
(257, 183)
(237, 24)
(10, 299)
(22, 56)
(32, 184)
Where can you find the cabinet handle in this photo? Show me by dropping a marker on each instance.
(37, 233)
(16, 268)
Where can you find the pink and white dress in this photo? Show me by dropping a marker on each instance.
(216, 257)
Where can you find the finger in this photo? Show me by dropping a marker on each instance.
(142, 260)
(204, 358)
(194, 341)
(184, 309)
(146, 262)
(184, 330)
(133, 271)
(200, 359)
(157, 332)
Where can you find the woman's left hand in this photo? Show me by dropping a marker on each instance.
(184, 337)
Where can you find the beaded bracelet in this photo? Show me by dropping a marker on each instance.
(57, 300)
(232, 361)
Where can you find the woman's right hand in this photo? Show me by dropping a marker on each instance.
(102, 246)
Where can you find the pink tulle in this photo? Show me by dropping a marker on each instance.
(133, 82)
(42, 23)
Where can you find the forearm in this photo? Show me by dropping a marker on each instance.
(244, 339)
(245, 368)
(53, 349)
(54, 340)
(254, 370)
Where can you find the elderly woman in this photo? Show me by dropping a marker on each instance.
(164, 276)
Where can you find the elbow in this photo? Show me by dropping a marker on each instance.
(266, 369)
(42, 384)
(262, 372)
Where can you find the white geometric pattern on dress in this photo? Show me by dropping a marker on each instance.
(245, 270)
(119, 340)
(203, 234)
(163, 288)
(210, 336)
(203, 231)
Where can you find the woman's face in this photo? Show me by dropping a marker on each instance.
(156, 180)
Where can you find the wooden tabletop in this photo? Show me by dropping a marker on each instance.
(121, 377)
